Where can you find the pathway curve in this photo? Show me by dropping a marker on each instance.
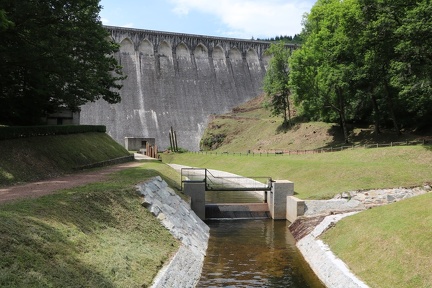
(48, 186)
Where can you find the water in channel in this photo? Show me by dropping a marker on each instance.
(253, 253)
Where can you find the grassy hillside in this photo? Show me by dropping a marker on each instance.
(97, 235)
(28, 159)
(249, 127)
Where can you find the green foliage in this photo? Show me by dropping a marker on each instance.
(4, 22)
(366, 61)
(323, 69)
(32, 131)
(276, 81)
(55, 55)
(212, 141)
(297, 38)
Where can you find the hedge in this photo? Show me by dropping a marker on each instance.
(32, 131)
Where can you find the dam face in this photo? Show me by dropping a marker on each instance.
(177, 80)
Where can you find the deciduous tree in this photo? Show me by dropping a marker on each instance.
(276, 82)
(55, 55)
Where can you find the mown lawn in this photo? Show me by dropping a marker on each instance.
(320, 176)
(388, 246)
(97, 235)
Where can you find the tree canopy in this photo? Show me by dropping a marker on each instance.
(53, 54)
(365, 61)
(276, 82)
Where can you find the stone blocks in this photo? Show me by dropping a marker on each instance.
(184, 269)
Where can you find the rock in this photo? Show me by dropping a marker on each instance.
(390, 198)
(346, 195)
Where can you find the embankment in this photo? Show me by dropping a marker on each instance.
(184, 269)
(321, 215)
(42, 157)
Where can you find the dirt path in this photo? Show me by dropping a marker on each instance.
(39, 188)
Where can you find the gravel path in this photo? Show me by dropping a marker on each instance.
(44, 187)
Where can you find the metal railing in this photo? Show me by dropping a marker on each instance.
(225, 183)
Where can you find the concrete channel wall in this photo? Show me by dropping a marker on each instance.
(184, 269)
(332, 271)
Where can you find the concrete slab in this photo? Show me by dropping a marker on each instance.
(237, 211)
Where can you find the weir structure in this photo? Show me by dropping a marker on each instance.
(196, 181)
(177, 80)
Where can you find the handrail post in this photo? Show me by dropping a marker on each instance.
(205, 178)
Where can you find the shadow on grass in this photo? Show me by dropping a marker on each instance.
(43, 240)
(365, 136)
(285, 127)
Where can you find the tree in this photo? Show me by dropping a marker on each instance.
(55, 55)
(324, 68)
(412, 66)
(276, 82)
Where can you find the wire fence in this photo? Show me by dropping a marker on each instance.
(276, 152)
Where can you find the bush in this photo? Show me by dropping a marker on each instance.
(32, 131)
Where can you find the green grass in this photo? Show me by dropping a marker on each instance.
(388, 246)
(320, 176)
(34, 158)
(97, 235)
(249, 127)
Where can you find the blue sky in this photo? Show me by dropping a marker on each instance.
(225, 18)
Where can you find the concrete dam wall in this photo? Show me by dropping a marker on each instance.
(177, 80)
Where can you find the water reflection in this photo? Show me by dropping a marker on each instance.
(254, 253)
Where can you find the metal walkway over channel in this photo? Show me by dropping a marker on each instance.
(225, 182)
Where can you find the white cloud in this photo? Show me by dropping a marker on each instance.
(251, 17)
(105, 21)
(127, 25)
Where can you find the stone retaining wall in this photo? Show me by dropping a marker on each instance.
(184, 269)
(360, 200)
(330, 270)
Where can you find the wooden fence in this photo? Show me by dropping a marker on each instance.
(275, 152)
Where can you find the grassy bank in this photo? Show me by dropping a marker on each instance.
(388, 246)
(34, 158)
(318, 176)
(93, 236)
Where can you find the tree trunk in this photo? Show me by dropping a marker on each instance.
(391, 108)
(376, 115)
(288, 109)
(341, 111)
